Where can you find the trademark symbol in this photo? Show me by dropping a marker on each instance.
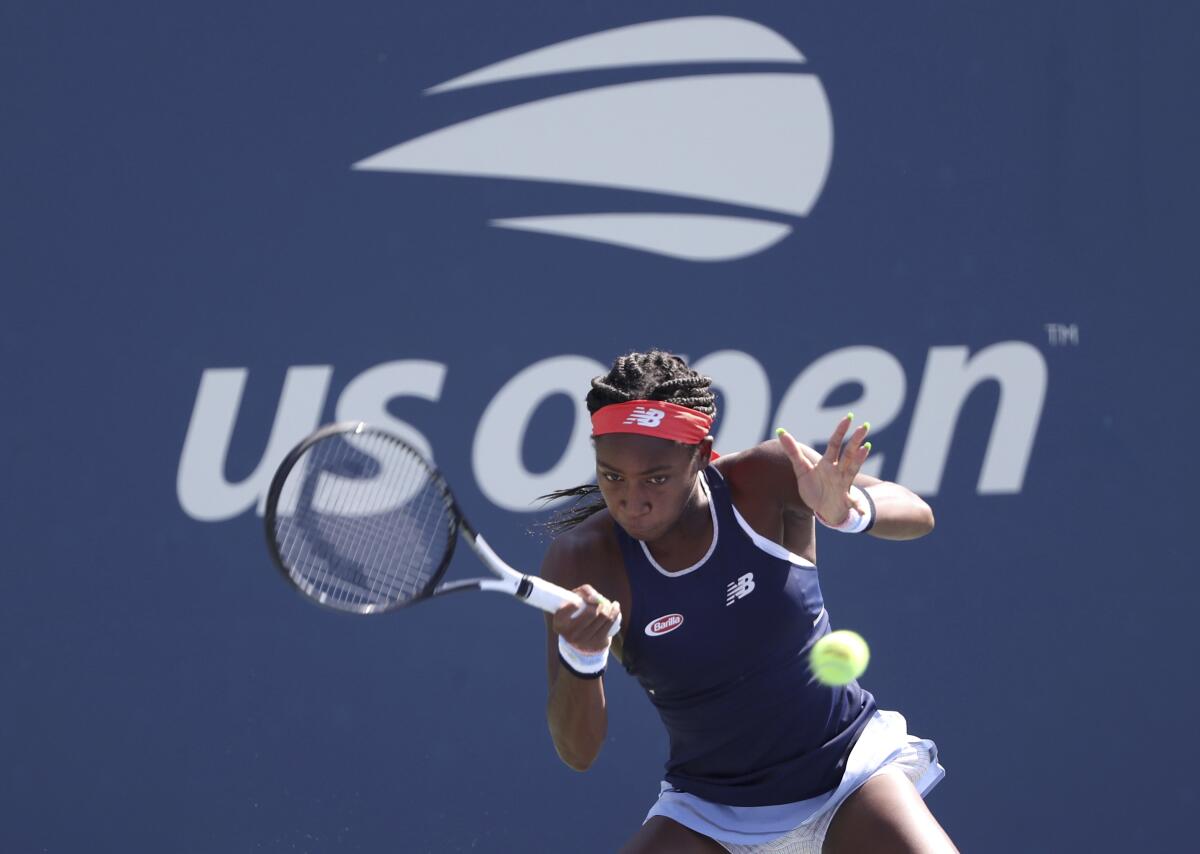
(1062, 334)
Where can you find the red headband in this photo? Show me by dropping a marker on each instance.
(653, 418)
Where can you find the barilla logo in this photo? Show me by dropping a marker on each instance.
(644, 417)
(663, 625)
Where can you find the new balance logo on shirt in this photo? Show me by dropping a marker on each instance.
(739, 589)
(644, 417)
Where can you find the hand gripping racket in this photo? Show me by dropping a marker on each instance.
(359, 521)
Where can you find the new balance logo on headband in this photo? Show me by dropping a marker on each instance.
(759, 138)
(644, 417)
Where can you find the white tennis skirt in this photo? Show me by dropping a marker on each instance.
(799, 828)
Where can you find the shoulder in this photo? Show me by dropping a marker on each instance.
(586, 554)
(760, 475)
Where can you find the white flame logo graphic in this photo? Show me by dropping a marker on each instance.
(762, 141)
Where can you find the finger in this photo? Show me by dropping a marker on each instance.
(834, 449)
(600, 629)
(599, 612)
(856, 439)
(592, 631)
(565, 620)
(790, 447)
(593, 602)
(615, 628)
(853, 460)
(589, 595)
(571, 627)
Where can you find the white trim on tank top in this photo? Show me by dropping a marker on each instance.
(770, 546)
(712, 508)
(775, 550)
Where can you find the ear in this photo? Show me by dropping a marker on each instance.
(704, 452)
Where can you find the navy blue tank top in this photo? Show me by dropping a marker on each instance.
(721, 648)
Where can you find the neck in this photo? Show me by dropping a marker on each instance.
(693, 529)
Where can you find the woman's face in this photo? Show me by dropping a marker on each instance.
(646, 482)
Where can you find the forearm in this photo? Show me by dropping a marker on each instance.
(578, 718)
(900, 514)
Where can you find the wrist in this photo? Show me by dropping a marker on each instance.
(586, 664)
(860, 517)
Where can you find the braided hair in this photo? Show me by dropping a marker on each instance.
(654, 375)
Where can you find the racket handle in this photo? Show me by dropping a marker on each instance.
(549, 597)
(530, 589)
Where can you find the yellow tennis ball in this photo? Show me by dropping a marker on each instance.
(839, 658)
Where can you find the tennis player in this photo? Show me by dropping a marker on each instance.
(712, 563)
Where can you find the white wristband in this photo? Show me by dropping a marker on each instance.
(856, 522)
(589, 665)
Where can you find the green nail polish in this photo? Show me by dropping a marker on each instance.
(779, 431)
(850, 415)
(867, 424)
(867, 446)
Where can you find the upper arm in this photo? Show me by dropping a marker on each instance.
(766, 468)
(580, 556)
(557, 568)
(763, 475)
(765, 483)
(558, 562)
(901, 514)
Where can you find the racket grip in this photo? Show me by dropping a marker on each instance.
(550, 597)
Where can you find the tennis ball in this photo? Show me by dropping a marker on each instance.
(839, 658)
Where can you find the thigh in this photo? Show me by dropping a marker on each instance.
(886, 816)
(660, 835)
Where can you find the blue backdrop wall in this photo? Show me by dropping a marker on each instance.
(972, 224)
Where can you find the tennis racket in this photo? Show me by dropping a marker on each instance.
(359, 521)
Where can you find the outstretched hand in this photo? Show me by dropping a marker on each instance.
(824, 482)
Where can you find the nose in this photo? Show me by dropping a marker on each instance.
(635, 501)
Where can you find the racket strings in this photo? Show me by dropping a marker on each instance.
(363, 523)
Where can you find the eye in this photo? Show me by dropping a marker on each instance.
(610, 477)
(658, 479)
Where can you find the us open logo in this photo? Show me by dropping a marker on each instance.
(663, 625)
(756, 140)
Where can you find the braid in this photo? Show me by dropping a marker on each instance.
(656, 375)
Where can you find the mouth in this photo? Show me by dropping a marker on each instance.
(638, 528)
